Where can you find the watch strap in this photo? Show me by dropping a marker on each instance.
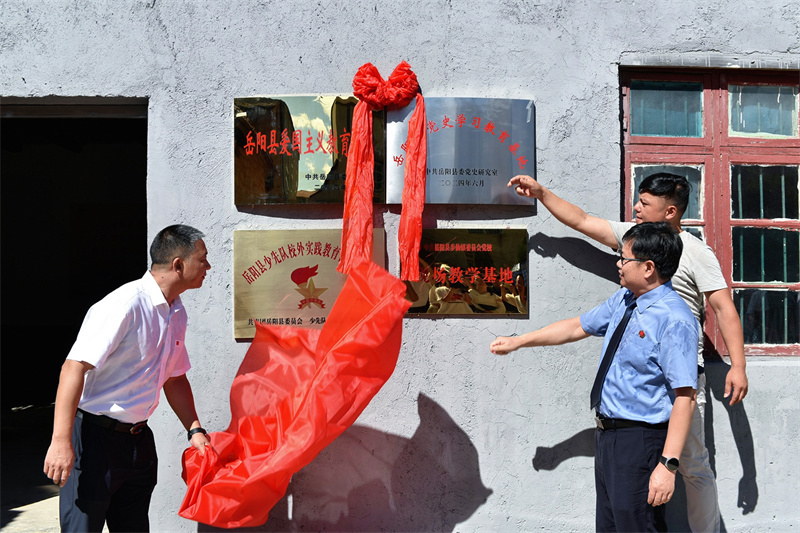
(196, 430)
(671, 463)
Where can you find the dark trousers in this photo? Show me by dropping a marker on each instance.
(623, 461)
(112, 479)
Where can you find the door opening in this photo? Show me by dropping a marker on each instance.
(73, 227)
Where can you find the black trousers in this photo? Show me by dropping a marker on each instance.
(112, 479)
(624, 459)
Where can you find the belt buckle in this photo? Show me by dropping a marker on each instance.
(138, 428)
(599, 422)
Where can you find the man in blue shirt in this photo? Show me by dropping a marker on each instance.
(645, 389)
(664, 197)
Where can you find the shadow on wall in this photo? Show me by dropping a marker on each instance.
(577, 252)
(367, 480)
(582, 445)
(716, 370)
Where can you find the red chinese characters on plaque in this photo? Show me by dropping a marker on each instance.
(475, 145)
(293, 149)
(471, 273)
(288, 277)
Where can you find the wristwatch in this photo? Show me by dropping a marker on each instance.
(671, 463)
(196, 430)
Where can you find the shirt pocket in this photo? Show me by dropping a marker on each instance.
(639, 359)
(177, 360)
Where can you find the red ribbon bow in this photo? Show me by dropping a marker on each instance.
(369, 86)
(375, 93)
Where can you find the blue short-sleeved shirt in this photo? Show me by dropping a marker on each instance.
(657, 353)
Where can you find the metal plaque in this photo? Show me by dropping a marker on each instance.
(293, 149)
(475, 145)
(471, 273)
(288, 277)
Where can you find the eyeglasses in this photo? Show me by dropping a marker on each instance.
(624, 260)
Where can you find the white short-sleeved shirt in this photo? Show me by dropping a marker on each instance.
(493, 303)
(457, 306)
(698, 272)
(135, 341)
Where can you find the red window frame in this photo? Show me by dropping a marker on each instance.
(716, 151)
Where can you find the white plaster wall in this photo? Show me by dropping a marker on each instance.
(192, 58)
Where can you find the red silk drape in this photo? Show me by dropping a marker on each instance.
(359, 186)
(410, 232)
(295, 392)
(375, 93)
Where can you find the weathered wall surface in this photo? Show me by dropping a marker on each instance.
(454, 422)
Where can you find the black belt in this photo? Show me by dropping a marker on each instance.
(107, 422)
(619, 423)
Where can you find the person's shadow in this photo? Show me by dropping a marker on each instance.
(716, 370)
(368, 480)
(582, 445)
(578, 253)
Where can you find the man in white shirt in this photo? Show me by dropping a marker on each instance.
(130, 346)
(664, 197)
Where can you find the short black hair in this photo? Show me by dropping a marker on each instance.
(675, 189)
(658, 242)
(173, 241)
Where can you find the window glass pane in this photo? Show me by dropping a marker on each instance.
(666, 109)
(694, 230)
(763, 110)
(764, 192)
(764, 255)
(693, 174)
(768, 316)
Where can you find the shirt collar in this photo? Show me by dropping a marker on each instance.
(154, 291)
(650, 297)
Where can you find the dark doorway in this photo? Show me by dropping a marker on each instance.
(73, 177)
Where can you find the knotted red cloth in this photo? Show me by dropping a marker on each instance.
(375, 93)
(296, 391)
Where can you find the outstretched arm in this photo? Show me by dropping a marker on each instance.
(731, 329)
(568, 214)
(179, 395)
(561, 332)
(60, 455)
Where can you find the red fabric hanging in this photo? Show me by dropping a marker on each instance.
(375, 93)
(410, 232)
(359, 185)
(295, 392)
